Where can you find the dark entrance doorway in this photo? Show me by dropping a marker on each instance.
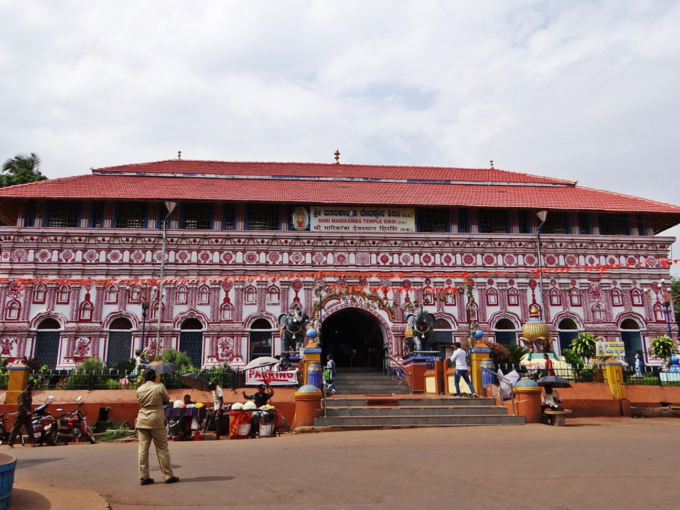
(632, 340)
(47, 340)
(354, 338)
(120, 342)
(191, 341)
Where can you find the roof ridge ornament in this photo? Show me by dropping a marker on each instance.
(492, 168)
(179, 155)
(337, 157)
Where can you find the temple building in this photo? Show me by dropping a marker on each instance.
(358, 246)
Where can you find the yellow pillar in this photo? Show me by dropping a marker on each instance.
(18, 379)
(312, 360)
(479, 353)
(613, 374)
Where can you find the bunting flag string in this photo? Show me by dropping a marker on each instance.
(537, 273)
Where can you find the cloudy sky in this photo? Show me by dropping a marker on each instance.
(584, 90)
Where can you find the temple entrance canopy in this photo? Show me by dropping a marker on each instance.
(355, 339)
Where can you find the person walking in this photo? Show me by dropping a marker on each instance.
(330, 374)
(459, 361)
(548, 365)
(151, 427)
(24, 405)
(218, 400)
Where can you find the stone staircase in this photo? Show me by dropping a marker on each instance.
(369, 399)
(365, 381)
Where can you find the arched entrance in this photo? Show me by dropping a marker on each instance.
(120, 342)
(260, 339)
(46, 350)
(354, 338)
(567, 332)
(632, 340)
(506, 333)
(191, 340)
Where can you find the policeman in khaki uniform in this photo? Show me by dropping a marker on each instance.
(151, 426)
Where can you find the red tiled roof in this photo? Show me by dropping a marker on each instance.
(333, 184)
(312, 170)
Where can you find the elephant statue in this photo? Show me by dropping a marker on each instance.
(422, 325)
(293, 329)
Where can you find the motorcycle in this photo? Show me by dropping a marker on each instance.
(74, 425)
(44, 424)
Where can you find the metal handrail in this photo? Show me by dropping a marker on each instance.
(507, 381)
(404, 369)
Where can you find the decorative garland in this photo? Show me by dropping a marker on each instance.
(20, 283)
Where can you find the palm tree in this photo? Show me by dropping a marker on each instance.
(21, 169)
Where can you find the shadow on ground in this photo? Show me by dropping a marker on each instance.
(206, 479)
(27, 463)
(29, 500)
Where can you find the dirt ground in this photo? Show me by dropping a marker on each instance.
(591, 463)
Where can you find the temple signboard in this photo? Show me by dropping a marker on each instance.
(362, 219)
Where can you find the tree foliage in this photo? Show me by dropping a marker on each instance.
(499, 354)
(675, 295)
(584, 345)
(21, 169)
(662, 347)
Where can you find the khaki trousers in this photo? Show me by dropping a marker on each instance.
(24, 420)
(160, 441)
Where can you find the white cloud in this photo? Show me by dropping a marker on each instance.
(579, 90)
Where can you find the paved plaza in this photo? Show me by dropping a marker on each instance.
(592, 463)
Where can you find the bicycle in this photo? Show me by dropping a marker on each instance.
(4, 433)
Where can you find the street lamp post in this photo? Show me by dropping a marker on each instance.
(170, 206)
(541, 215)
(666, 293)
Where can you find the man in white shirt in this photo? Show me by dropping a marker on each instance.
(459, 361)
(218, 398)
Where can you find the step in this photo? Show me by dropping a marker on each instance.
(341, 401)
(422, 420)
(370, 388)
(414, 411)
(368, 370)
(361, 375)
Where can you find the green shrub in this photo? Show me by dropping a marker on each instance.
(180, 359)
(81, 377)
(115, 431)
(662, 347)
(215, 374)
(126, 366)
(4, 374)
(585, 374)
(571, 358)
(176, 357)
(517, 352)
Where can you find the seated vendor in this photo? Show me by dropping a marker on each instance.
(549, 401)
(185, 421)
(263, 395)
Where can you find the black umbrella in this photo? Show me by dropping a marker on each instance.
(554, 382)
(194, 381)
(163, 368)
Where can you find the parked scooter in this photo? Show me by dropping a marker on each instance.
(44, 424)
(74, 425)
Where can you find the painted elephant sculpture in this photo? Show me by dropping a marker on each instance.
(293, 329)
(422, 325)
